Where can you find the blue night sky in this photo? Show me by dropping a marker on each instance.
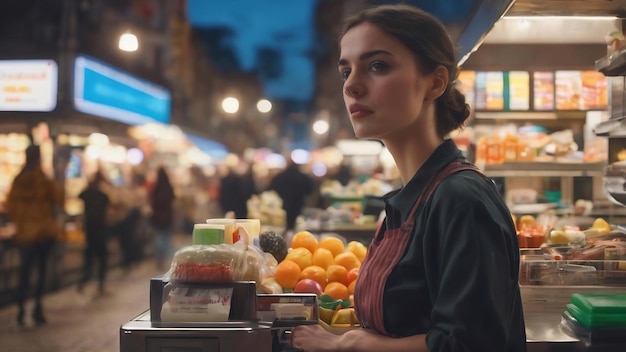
(287, 26)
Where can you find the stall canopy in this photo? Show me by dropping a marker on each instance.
(103, 90)
(214, 149)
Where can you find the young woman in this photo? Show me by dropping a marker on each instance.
(442, 272)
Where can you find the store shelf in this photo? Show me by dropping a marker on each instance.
(609, 127)
(544, 169)
(613, 65)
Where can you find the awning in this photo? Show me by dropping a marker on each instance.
(214, 149)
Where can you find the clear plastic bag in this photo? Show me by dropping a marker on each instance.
(207, 263)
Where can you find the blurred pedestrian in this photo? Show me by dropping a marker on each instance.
(162, 219)
(293, 186)
(232, 194)
(31, 204)
(95, 221)
(129, 228)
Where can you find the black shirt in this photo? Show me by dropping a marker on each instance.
(96, 205)
(458, 278)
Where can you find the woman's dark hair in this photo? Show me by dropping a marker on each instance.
(425, 36)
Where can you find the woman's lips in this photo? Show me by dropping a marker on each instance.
(359, 111)
(357, 114)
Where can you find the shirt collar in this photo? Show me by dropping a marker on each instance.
(402, 200)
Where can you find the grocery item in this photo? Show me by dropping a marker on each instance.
(206, 263)
(287, 274)
(304, 239)
(273, 243)
(348, 260)
(333, 244)
(323, 258)
(315, 273)
(308, 286)
(300, 256)
(337, 290)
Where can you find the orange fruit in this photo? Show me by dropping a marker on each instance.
(352, 275)
(358, 249)
(287, 274)
(348, 260)
(351, 287)
(323, 258)
(336, 273)
(300, 256)
(304, 239)
(337, 290)
(314, 273)
(333, 244)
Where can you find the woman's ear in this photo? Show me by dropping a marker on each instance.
(440, 83)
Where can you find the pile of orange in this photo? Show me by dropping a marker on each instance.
(328, 261)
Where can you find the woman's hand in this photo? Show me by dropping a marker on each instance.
(314, 338)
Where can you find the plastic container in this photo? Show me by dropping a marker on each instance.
(600, 303)
(599, 310)
(208, 234)
(594, 321)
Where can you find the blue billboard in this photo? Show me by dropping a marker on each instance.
(105, 91)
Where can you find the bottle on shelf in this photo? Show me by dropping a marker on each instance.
(495, 152)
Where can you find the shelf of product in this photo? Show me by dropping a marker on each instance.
(545, 169)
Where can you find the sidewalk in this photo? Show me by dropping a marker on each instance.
(81, 322)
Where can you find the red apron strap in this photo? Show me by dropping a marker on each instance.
(432, 184)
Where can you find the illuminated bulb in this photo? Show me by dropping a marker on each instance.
(230, 105)
(264, 106)
(134, 156)
(320, 127)
(300, 156)
(98, 139)
(128, 42)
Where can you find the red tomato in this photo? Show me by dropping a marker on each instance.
(352, 275)
(308, 286)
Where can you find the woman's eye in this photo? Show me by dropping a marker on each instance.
(378, 66)
(344, 74)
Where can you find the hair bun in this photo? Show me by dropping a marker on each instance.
(458, 108)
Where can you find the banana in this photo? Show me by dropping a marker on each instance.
(344, 318)
(326, 315)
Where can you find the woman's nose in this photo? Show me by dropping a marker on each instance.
(352, 87)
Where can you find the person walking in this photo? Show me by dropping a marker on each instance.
(162, 219)
(97, 205)
(293, 186)
(31, 205)
(232, 197)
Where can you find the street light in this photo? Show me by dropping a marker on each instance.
(264, 106)
(128, 42)
(230, 105)
(320, 127)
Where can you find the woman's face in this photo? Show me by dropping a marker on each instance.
(384, 90)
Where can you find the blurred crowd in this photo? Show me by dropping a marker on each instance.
(141, 215)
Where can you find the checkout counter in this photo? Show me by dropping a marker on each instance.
(255, 323)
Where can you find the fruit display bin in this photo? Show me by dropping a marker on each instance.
(538, 269)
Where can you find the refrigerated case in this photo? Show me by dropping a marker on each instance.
(547, 286)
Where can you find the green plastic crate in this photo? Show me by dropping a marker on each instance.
(598, 310)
